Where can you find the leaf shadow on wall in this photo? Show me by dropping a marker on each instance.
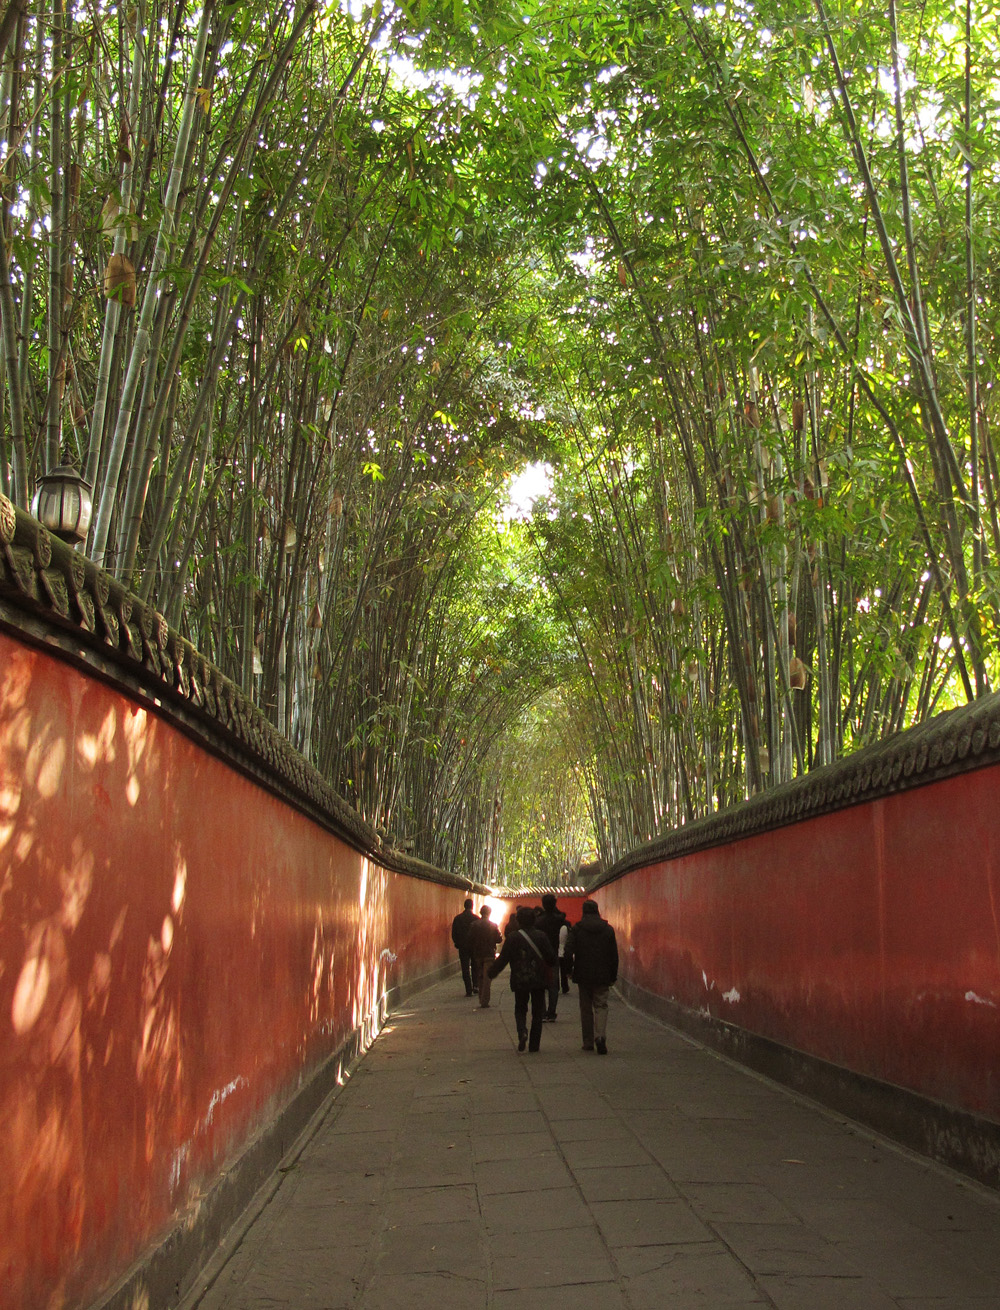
(83, 1005)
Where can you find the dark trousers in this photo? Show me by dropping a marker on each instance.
(537, 997)
(553, 993)
(564, 975)
(468, 977)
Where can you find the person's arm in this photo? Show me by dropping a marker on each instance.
(502, 960)
(541, 939)
(568, 953)
(563, 934)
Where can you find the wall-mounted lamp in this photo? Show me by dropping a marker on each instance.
(63, 503)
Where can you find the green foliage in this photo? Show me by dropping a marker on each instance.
(732, 272)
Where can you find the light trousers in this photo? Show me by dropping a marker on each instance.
(482, 973)
(593, 1011)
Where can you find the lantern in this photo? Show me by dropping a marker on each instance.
(63, 504)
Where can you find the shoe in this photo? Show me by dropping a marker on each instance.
(522, 1041)
(601, 1045)
(585, 1047)
(550, 1018)
(468, 993)
(532, 1050)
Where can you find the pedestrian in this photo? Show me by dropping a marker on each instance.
(563, 966)
(592, 956)
(531, 958)
(484, 937)
(460, 926)
(550, 921)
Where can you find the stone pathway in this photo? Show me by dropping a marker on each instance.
(450, 1171)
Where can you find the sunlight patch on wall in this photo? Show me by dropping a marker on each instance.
(180, 884)
(76, 882)
(15, 681)
(32, 985)
(43, 767)
(10, 803)
(134, 725)
(98, 747)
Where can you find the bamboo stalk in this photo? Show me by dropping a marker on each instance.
(164, 239)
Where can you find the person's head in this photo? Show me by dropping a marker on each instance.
(484, 913)
(525, 915)
(548, 901)
(590, 907)
(468, 904)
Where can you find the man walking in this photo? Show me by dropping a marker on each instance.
(592, 956)
(550, 921)
(460, 926)
(484, 937)
(530, 956)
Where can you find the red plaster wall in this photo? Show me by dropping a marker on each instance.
(869, 937)
(178, 951)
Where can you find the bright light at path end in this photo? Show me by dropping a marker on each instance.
(523, 490)
(498, 910)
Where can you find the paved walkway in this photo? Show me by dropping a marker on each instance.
(451, 1172)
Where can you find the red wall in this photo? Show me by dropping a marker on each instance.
(571, 906)
(869, 937)
(178, 950)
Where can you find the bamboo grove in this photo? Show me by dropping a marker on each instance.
(299, 287)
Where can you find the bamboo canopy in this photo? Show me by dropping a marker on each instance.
(303, 291)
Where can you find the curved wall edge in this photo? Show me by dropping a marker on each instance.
(54, 597)
(950, 744)
(862, 940)
(192, 939)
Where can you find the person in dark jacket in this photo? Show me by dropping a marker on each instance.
(484, 937)
(531, 958)
(550, 921)
(592, 954)
(460, 926)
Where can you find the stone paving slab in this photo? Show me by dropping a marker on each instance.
(452, 1172)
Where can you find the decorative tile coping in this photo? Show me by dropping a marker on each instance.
(519, 893)
(56, 598)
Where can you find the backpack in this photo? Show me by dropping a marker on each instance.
(527, 967)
